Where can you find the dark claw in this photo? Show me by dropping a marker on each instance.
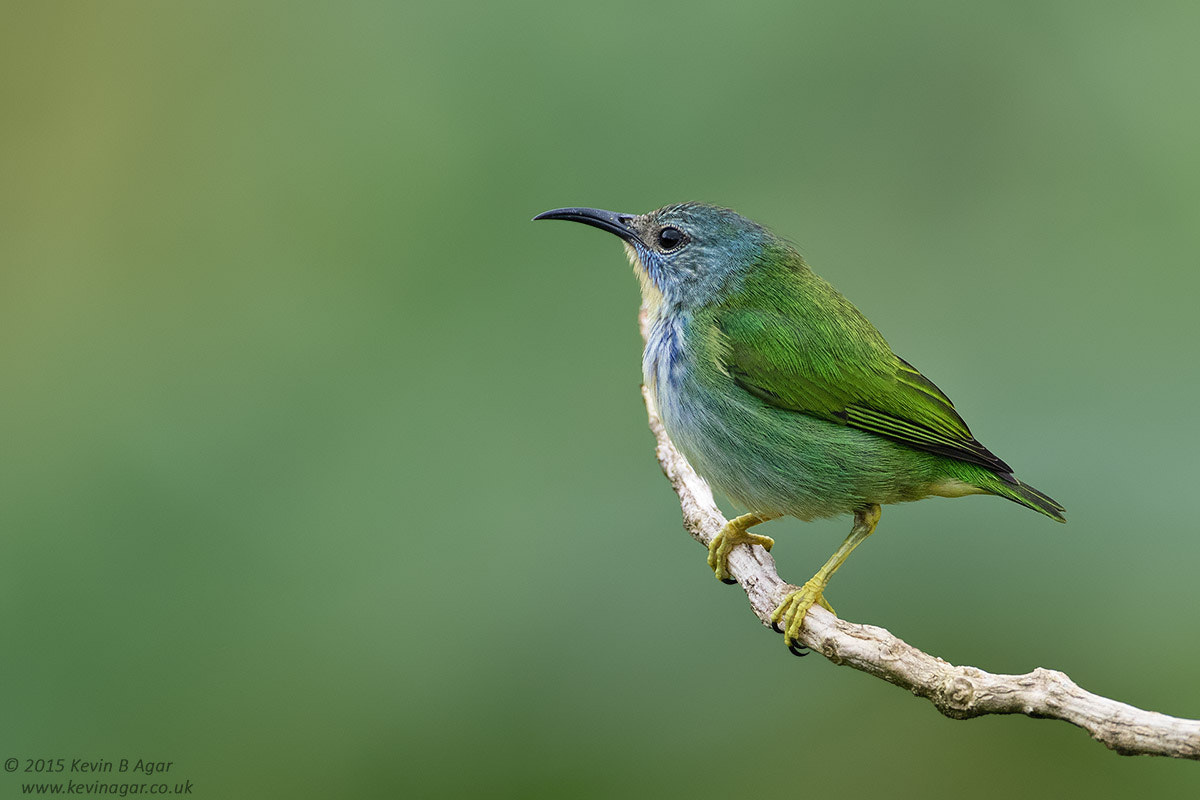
(798, 649)
(775, 627)
(728, 581)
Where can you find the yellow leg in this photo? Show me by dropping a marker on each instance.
(796, 605)
(730, 536)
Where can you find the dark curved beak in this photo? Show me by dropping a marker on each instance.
(609, 221)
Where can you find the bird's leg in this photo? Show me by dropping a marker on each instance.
(730, 536)
(796, 605)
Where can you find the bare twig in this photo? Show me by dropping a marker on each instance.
(957, 692)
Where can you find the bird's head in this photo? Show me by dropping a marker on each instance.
(685, 255)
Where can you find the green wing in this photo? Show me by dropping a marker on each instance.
(834, 365)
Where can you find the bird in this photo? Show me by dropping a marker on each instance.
(782, 395)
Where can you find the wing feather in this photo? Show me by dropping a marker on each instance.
(832, 367)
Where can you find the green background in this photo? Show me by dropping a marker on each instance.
(325, 473)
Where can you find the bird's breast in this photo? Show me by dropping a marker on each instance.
(663, 358)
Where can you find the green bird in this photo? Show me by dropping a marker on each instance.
(782, 395)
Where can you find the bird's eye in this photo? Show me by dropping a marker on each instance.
(671, 238)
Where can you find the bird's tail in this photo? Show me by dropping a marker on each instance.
(1009, 487)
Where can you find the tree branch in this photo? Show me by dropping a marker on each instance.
(957, 692)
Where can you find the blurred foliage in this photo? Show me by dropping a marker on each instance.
(325, 472)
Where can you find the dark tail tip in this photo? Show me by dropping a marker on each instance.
(1026, 495)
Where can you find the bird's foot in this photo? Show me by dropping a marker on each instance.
(794, 608)
(730, 536)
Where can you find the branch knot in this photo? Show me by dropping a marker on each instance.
(958, 693)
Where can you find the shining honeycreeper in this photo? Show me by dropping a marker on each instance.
(781, 394)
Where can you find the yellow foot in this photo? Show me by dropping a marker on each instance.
(729, 537)
(794, 608)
